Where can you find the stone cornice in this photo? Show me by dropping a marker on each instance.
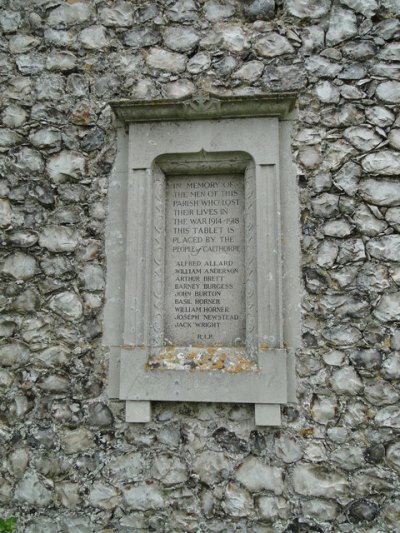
(204, 106)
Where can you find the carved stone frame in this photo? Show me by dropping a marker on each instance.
(191, 136)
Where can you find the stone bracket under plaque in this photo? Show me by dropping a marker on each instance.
(169, 141)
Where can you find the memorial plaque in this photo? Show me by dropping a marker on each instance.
(204, 260)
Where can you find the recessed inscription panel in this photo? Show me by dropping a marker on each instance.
(204, 260)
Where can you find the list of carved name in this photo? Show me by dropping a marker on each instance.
(204, 260)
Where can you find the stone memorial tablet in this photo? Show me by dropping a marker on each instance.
(204, 260)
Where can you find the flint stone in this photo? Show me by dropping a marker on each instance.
(69, 14)
(141, 37)
(342, 25)
(346, 381)
(394, 138)
(350, 251)
(22, 43)
(362, 137)
(272, 45)
(164, 60)
(312, 480)
(181, 39)
(50, 87)
(380, 192)
(100, 415)
(103, 496)
(45, 138)
(337, 154)
(198, 63)
(325, 205)
(327, 253)
(237, 501)
(78, 440)
(322, 67)
(250, 72)
(346, 115)
(234, 38)
(347, 178)
(389, 92)
(179, 89)
(284, 77)
(327, 92)
(61, 61)
(365, 7)
(20, 266)
(215, 10)
(366, 360)
(260, 9)
(10, 21)
(337, 228)
(32, 491)
(54, 383)
(288, 449)
(68, 305)
(9, 138)
(68, 493)
(53, 356)
(342, 335)
(143, 497)
(393, 455)
(381, 393)
(211, 467)
(388, 417)
(14, 116)
(380, 116)
(184, 10)
(5, 213)
(324, 409)
(386, 248)
(348, 457)
(308, 8)
(93, 38)
(66, 165)
(363, 511)
(385, 162)
(256, 476)
(127, 467)
(14, 353)
(373, 278)
(366, 223)
(58, 238)
(388, 308)
(119, 16)
(271, 508)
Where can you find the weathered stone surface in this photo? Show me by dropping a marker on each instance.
(65, 166)
(211, 467)
(143, 497)
(273, 45)
(313, 480)
(308, 8)
(164, 60)
(20, 266)
(260, 9)
(67, 304)
(346, 381)
(366, 7)
(14, 353)
(342, 25)
(59, 239)
(69, 14)
(74, 441)
(386, 248)
(380, 192)
(31, 490)
(385, 162)
(237, 501)
(388, 92)
(103, 496)
(256, 476)
(180, 39)
(388, 308)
